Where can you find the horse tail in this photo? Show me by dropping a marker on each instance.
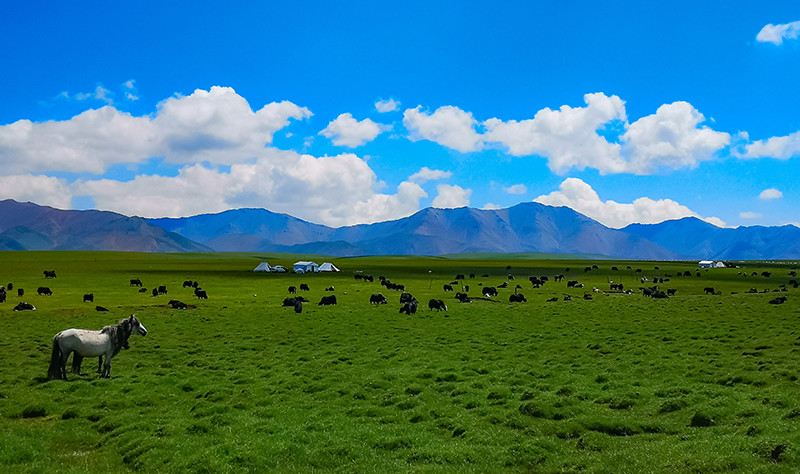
(55, 371)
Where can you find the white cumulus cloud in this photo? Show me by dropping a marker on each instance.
(749, 215)
(448, 126)
(579, 196)
(217, 126)
(670, 138)
(770, 193)
(389, 105)
(451, 196)
(517, 189)
(426, 174)
(576, 137)
(566, 137)
(775, 34)
(43, 190)
(332, 190)
(347, 131)
(781, 148)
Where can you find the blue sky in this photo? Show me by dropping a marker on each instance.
(351, 112)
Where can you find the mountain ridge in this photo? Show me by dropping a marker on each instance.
(527, 227)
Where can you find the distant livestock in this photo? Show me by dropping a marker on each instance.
(136, 282)
(489, 291)
(162, 290)
(48, 274)
(100, 308)
(43, 290)
(447, 288)
(293, 290)
(327, 300)
(438, 305)
(175, 304)
(463, 298)
(778, 300)
(517, 298)
(298, 307)
(201, 294)
(20, 292)
(88, 298)
(304, 287)
(24, 307)
(289, 302)
(406, 297)
(377, 298)
(409, 308)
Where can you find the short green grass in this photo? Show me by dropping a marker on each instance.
(621, 383)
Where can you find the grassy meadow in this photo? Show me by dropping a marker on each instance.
(619, 383)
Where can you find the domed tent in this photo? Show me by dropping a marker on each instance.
(328, 267)
(305, 267)
(263, 267)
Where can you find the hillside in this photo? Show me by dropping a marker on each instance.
(28, 226)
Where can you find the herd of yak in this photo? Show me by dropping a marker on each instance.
(409, 303)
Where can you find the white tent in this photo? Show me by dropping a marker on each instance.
(305, 267)
(328, 267)
(263, 267)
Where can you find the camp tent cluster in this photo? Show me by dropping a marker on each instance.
(298, 267)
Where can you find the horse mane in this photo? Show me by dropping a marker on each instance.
(118, 334)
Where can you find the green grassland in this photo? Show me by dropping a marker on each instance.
(619, 383)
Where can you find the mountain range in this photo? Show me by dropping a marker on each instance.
(525, 228)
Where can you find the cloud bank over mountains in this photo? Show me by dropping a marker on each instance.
(224, 157)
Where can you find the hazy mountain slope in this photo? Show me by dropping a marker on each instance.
(699, 239)
(27, 226)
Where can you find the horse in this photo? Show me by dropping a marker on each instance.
(91, 343)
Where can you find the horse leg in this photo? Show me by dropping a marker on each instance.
(62, 367)
(77, 359)
(107, 368)
(100, 365)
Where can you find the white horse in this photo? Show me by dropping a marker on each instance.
(90, 343)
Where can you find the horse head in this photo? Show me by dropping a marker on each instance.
(136, 326)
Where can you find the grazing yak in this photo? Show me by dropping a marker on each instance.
(48, 274)
(289, 302)
(293, 290)
(175, 304)
(709, 290)
(438, 305)
(489, 291)
(136, 282)
(410, 307)
(330, 288)
(200, 294)
(43, 290)
(304, 287)
(162, 290)
(377, 298)
(406, 297)
(463, 298)
(20, 292)
(447, 288)
(327, 300)
(517, 298)
(88, 298)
